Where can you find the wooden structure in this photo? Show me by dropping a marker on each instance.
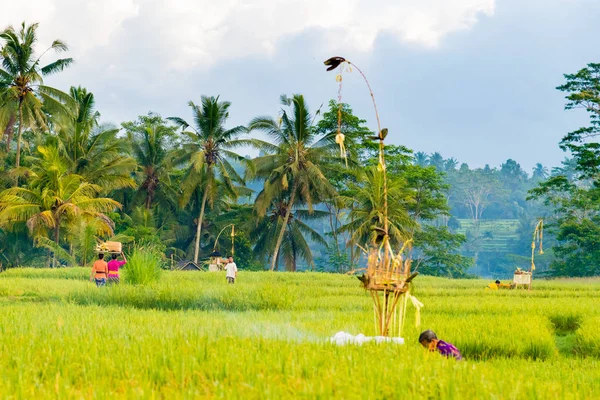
(388, 274)
(387, 279)
(524, 278)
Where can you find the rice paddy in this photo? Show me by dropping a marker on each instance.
(191, 335)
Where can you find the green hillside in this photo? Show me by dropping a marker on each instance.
(496, 234)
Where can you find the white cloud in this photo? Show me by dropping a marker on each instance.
(83, 24)
(200, 33)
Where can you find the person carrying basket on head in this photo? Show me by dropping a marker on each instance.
(99, 271)
(113, 268)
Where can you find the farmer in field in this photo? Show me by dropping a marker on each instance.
(494, 286)
(429, 340)
(113, 268)
(498, 285)
(99, 271)
(231, 269)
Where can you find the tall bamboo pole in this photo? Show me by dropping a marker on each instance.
(384, 313)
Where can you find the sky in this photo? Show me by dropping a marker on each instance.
(471, 79)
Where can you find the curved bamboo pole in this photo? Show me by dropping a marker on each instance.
(385, 309)
(232, 238)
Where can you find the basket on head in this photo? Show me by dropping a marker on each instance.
(109, 247)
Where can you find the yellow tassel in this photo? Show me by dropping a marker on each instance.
(284, 182)
(339, 139)
(417, 304)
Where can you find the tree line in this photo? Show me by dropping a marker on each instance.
(175, 183)
(69, 181)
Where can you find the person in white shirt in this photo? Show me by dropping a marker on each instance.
(231, 269)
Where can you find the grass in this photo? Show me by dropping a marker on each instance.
(587, 338)
(143, 267)
(190, 335)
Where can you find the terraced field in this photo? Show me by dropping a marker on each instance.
(497, 234)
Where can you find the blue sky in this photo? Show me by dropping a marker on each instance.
(472, 79)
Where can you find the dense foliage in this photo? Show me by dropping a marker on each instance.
(69, 181)
(574, 193)
(176, 186)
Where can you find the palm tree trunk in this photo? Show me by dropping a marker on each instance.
(283, 227)
(353, 251)
(19, 135)
(56, 240)
(148, 201)
(333, 226)
(199, 229)
(9, 131)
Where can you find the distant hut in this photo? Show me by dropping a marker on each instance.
(189, 266)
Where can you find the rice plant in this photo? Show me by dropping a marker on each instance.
(191, 335)
(143, 267)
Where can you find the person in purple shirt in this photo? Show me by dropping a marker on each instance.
(429, 340)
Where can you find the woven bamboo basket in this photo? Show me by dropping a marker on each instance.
(109, 247)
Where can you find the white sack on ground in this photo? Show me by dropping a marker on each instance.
(342, 338)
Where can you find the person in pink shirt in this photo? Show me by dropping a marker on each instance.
(113, 268)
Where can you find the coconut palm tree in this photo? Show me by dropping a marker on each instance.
(540, 172)
(22, 92)
(367, 212)
(93, 151)
(450, 164)
(293, 165)
(299, 236)
(54, 197)
(295, 245)
(437, 160)
(421, 158)
(151, 141)
(209, 152)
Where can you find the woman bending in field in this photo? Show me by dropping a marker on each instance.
(429, 340)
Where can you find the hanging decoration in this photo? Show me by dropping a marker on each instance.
(388, 273)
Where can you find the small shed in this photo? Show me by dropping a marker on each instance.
(522, 278)
(189, 266)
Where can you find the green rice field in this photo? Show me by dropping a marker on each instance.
(193, 336)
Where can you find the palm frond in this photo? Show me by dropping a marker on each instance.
(180, 122)
(57, 66)
(58, 251)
